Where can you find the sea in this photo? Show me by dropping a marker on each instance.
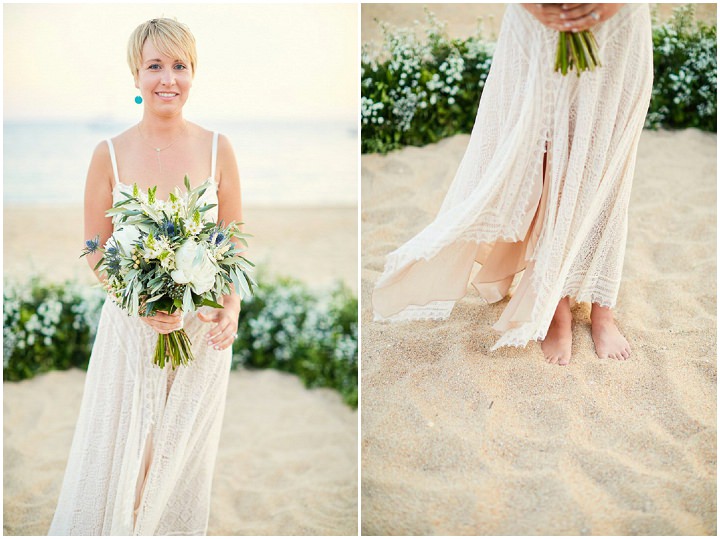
(282, 163)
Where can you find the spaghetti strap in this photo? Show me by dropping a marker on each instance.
(214, 154)
(116, 176)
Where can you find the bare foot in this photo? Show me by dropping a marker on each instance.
(557, 345)
(609, 342)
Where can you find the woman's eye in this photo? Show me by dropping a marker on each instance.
(154, 66)
(180, 66)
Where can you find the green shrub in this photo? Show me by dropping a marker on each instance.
(685, 83)
(49, 326)
(285, 327)
(417, 91)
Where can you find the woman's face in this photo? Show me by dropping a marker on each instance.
(164, 82)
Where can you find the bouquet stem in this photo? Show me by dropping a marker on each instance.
(174, 346)
(577, 50)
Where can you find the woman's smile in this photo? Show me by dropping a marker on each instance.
(166, 78)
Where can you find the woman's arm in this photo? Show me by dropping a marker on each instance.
(572, 17)
(98, 199)
(229, 209)
(229, 198)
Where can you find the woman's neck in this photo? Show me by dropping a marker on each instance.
(156, 126)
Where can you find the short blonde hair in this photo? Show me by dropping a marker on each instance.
(170, 37)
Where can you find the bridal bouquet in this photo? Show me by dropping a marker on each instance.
(578, 49)
(165, 256)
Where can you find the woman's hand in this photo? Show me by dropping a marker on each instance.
(163, 322)
(224, 331)
(572, 17)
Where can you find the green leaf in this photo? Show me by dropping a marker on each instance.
(247, 292)
(210, 303)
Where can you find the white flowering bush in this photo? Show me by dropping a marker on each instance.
(284, 326)
(49, 326)
(417, 91)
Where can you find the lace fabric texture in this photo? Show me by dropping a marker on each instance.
(567, 227)
(146, 440)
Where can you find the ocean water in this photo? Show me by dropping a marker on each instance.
(280, 163)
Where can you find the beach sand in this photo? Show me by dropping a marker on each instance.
(460, 440)
(316, 245)
(462, 19)
(287, 462)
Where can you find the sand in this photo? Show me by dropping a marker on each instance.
(460, 440)
(462, 19)
(316, 245)
(287, 462)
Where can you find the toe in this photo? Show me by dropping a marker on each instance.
(564, 361)
(625, 354)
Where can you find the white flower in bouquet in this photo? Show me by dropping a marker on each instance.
(158, 205)
(167, 260)
(176, 205)
(156, 248)
(220, 253)
(193, 225)
(125, 237)
(193, 266)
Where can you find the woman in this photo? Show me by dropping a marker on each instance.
(543, 187)
(144, 448)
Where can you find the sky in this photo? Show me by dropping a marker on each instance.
(255, 61)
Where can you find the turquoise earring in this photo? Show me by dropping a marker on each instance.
(138, 99)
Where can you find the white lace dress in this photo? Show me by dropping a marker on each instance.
(566, 229)
(144, 448)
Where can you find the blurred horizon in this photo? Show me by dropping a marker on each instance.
(293, 163)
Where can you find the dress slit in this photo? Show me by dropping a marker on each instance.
(143, 474)
(564, 227)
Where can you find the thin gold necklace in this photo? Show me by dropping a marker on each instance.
(158, 150)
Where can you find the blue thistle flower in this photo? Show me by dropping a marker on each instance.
(92, 245)
(220, 236)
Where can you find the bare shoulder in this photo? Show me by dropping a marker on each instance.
(101, 151)
(100, 161)
(225, 148)
(199, 133)
(100, 174)
(226, 163)
(122, 138)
